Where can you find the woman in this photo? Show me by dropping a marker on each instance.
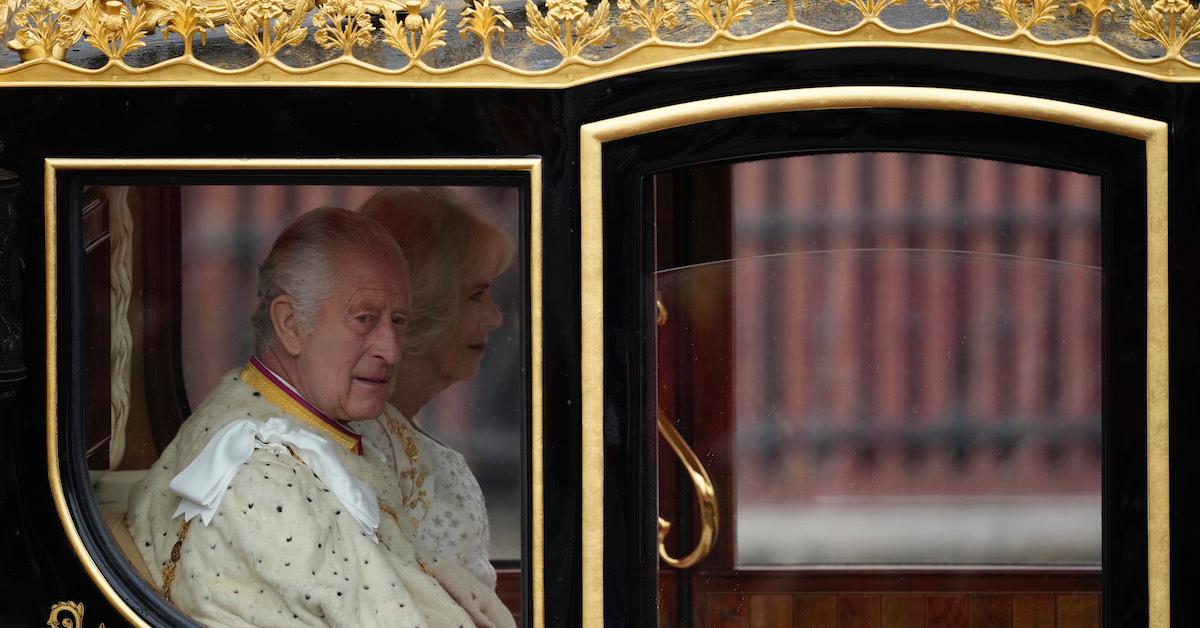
(454, 252)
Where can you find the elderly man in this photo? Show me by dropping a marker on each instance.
(264, 510)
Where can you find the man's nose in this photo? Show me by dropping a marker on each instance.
(389, 342)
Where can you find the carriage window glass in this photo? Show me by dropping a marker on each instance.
(173, 281)
(228, 230)
(914, 361)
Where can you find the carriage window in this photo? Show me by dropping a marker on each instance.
(477, 417)
(912, 360)
(176, 329)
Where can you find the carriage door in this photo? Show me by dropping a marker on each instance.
(891, 373)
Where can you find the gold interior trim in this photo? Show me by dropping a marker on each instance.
(1153, 132)
(530, 165)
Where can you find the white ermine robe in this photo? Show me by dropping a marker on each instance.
(282, 550)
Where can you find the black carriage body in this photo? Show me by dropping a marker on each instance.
(41, 563)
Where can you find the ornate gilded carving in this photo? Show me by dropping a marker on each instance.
(46, 28)
(1172, 23)
(567, 26)
(649, 15)
(483, 20)
(110, 27)
(1096, 9)
(721, 14)
(187, 19)
(342, 24)
(954, 7)
(1038, 12)
(416, 36)
(658, 32)
(6, 9)
(268, 26)
(73, 612)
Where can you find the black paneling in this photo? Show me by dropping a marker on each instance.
(40, 567)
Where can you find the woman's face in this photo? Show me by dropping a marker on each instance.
(459, 355)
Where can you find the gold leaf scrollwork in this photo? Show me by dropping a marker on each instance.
(110, 27)
(1172, 23)
(46, 28)
(870, 9)
(342, 24)
(481, 19)
(1038, 12)
(954, 7)
(567, 26)
(186, 19)
(721, 14)
(649, 15)
(268, 26)
(415, 36)
(1097, 9)
(6, 9)
(73, 612)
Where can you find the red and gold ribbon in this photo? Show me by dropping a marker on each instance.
(260, 378)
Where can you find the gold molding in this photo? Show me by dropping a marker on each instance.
(532, 166)
(1153, 133)
(1167, 24)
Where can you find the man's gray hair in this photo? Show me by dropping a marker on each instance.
(303, 262)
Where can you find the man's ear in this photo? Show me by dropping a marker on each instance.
(285, 318)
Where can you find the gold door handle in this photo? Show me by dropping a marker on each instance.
(706, 494)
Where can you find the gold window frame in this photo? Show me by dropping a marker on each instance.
(531, 166)
(593, 136)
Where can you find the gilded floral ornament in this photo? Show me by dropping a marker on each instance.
(659, 32)
(481, 19)
(268, 26)
(110, 27)
(649, 15)
(1172, 23)
(73, 612)
(567, 26)
(954, 7)
(416, 36)
(6, 9)
(721, 14)
(342, 24)
(187, 20)
(46, 28)
(1096, 9)
(1038, 12)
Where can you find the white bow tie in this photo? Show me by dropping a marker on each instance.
(202, 485)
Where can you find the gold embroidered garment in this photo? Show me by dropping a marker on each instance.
(281, 550)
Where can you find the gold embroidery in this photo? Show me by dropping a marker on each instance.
(168, 576)
(395, 518)
(415, 475)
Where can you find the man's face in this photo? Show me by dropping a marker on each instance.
(345, 365)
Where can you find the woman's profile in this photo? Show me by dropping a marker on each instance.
(454, 251)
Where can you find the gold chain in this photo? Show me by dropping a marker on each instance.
(169, 569)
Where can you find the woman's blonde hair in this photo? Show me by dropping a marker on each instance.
(446, 242)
